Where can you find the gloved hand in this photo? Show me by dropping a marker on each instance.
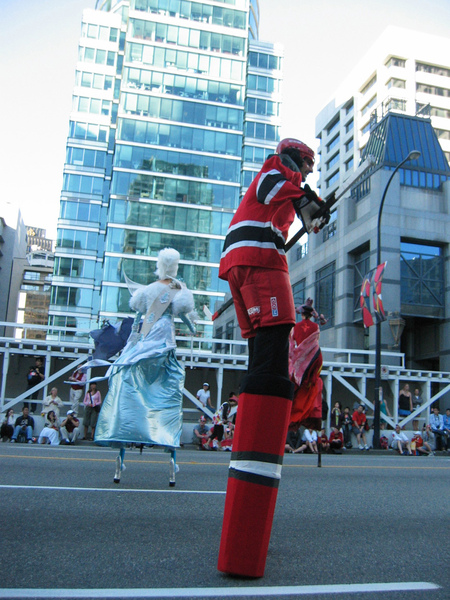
(311, 194)
(307, 207)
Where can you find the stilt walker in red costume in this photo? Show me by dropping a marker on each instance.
(305, 364)
(254, 264)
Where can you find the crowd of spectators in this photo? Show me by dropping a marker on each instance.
(218, 434)
(57, 429)
(433, 437)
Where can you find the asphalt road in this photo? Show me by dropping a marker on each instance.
(362, 526)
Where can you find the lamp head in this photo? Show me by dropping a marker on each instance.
(414, 155)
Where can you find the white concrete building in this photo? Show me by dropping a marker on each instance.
(405, 71)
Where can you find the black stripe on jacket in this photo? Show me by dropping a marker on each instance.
(268, 184)
(254, 235)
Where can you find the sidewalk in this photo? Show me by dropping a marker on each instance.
(351, 452)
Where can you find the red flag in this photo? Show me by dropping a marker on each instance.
(376, 293)
(364, 300)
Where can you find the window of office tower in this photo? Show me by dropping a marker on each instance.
(422, 279)
(215, 15)
(324, 292)
(394, 61)
(298, 291)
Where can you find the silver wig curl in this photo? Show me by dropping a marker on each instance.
(167, 263)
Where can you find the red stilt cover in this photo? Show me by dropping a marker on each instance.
(255, 468)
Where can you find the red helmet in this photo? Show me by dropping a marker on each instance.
(305, 151)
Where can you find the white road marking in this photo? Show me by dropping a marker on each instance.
(63, 448)
(224, 592)
(115, 490)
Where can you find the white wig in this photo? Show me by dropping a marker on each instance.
(167, 263)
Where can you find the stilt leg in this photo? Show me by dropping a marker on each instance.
(254, 475)
(173, 468)
(119, 465)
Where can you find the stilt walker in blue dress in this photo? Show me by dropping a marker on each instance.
(144, 401)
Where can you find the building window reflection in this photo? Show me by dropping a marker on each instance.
(422, 279)
(324, 293)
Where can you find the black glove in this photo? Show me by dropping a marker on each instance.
(311, 194)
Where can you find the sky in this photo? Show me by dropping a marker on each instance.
(323, 40)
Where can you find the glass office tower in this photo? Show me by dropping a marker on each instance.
(175, 106)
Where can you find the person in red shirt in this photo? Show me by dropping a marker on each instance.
(254, 263)
(323, 441)
(359, 424)
(76, 389)
(336, 441)
(419, 446)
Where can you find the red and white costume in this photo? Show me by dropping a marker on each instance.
(253, 258)
(305, 364)
(254, 264)
(258, 231)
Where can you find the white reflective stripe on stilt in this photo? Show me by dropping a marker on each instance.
(257, 467)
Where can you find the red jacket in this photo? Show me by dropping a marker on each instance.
(259, 229)
(336, 437)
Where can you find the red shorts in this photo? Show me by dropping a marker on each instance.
(262, 298)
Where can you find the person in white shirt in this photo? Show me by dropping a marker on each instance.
(310, 439)
(50, 434)
(52, 402)
(204, 396)
(400, 441)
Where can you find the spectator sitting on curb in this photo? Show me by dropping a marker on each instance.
(293, 440)
(220, 420)
(70, 428)
(428, 436)
(50, 433)
(336, 441)
(310, 440)
(201, 434)
(418, 446)
(323, 441)
(24, 425)
(400, 441)
(7, 429)
(359, 426)
(437, 427)
(228, 433)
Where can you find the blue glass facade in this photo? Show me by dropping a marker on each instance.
(392, 139)
(167, 102)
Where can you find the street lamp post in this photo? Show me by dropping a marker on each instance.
(413, 155)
